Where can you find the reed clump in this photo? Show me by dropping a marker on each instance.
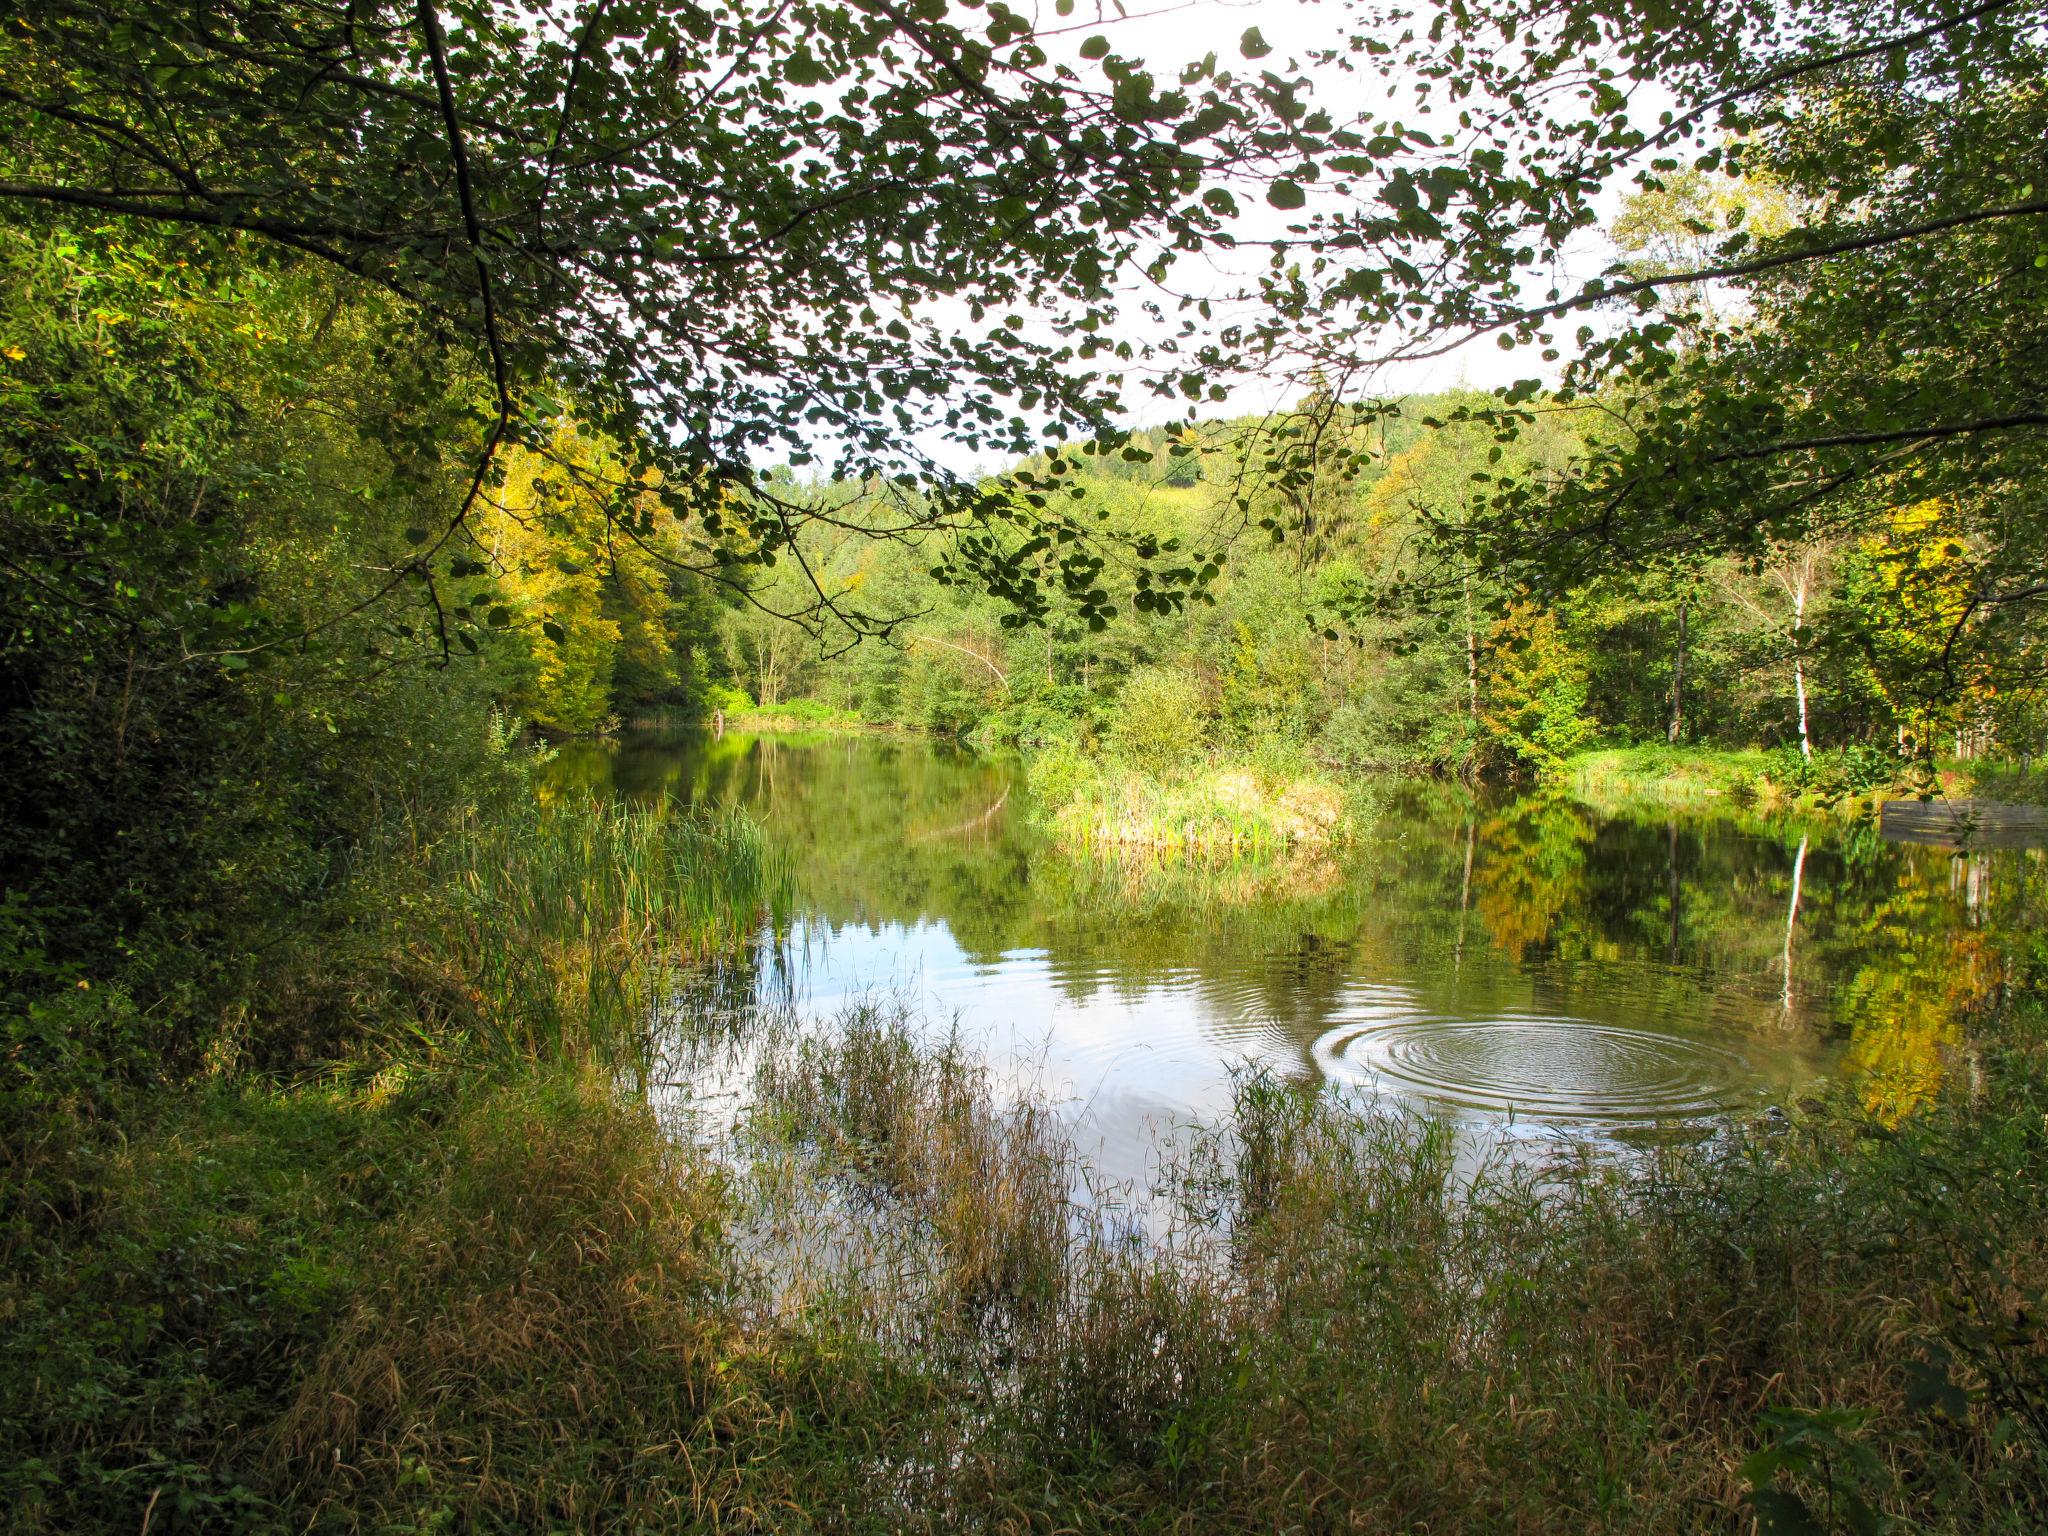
(1200, 810)
(1336, 1313)
(564, 928)
(911, 1128)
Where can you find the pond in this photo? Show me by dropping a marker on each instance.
(1532, 967)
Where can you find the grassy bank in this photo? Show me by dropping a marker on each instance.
(741, 713)
(1843, 781)
(470, 1279)
(797, 715)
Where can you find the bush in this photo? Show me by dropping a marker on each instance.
(1058, 774)
(1161, 719)
(1055, 714)
(1834, 772)
(725, 698)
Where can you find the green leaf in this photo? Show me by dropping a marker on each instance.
(1096, 47)
(1929, 1390)
(1286, 194)
(1781, 1512)
(1252, 45)
(554, 631)
(805, 69)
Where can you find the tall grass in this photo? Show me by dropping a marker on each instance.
(516, 1301)
(562, 929)
(486, 1290)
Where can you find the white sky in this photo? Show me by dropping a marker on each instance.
(1165, 35)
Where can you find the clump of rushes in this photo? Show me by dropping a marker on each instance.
(564, 928)
(910, 1129)
(1204, 810)
(1338, 1314)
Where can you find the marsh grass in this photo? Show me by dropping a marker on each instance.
(485, 1286)
(971, 1202)
(1201, 810)
(565, 929)
(1340, 1319)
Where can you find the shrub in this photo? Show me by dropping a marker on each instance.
(1058, 774)
(726, 698)
(1834, 772)
(1161, 719)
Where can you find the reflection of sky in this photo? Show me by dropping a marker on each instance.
(1130, 1059)
(1127, 1058)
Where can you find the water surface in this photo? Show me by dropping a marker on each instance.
(1534, 967)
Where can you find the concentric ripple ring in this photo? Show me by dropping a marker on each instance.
(1536, 1067)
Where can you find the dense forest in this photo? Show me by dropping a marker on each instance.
(1308, 640)
(390, 394)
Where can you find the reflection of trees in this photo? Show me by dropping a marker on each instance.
(1532, 869)
(1932, 954)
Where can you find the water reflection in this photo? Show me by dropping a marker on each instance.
(1530, 962)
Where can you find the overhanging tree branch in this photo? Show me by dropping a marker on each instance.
(1557, 309)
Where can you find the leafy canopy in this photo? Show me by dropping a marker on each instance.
(840, 234)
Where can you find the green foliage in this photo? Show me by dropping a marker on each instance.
(685, 221)
(1850, 771)
(1824, 304)
(1160, 721)
(728, 699)
(197, 457)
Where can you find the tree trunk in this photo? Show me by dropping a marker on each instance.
(1678, 681)
(1799, 687)
(1799, 664)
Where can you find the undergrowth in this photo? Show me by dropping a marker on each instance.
(1844, 780)
(473, 1279)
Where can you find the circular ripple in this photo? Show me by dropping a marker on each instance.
(1540, 1068)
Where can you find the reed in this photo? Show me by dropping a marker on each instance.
(1205, 812)
(566, 928)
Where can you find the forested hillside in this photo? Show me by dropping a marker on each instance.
(1313, 633)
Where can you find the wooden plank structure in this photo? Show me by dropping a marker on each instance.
(1964, 823)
